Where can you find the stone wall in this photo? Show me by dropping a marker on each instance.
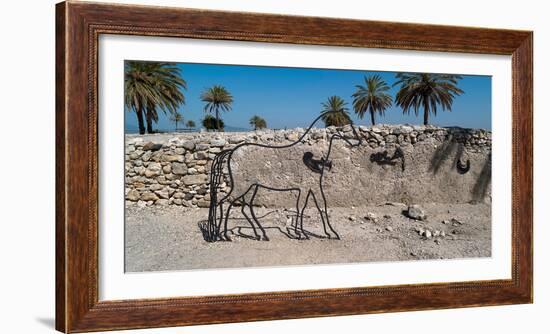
(172, 169)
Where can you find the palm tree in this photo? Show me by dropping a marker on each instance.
(217, 98)
(152, 85)
(427, 91)
(137, 90)
(176, 118)
(190, 124)
(372, 97)
(257, 122)
(335, 112)
(211, 123)
(167, 80)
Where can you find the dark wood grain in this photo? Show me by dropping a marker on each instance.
(60, 169)
(78, 27)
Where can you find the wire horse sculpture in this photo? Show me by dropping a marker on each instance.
(215, 229)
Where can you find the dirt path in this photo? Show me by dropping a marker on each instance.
(168, 238)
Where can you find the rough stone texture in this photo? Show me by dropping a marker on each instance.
(416, 212)
(150, 146)
(181, 163)
(190, 180)
(179, 168)
(133, 195)
(148, 196)
(167, 238)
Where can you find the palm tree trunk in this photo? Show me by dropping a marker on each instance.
(426, 112)
(149, 119)
(141, 126)
(217, 120)
(372, 118)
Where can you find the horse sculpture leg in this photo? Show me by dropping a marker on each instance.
(250, 221)
(251, 205)
(296, 221)
(211, 229)
(244, 204)
(301, 212)
(322, 208)
(219, 225)
(298, 224)
(224, 235)
(321, 215)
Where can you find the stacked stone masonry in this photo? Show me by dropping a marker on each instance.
(173, 169)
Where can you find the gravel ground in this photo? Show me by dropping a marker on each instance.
(168, 238)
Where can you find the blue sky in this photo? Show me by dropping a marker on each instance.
(292, 97)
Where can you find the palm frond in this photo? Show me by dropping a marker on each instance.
(335, 112)
(372, 97)
(153, 86)
(426, 91)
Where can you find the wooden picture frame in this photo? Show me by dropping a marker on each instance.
(78, 26)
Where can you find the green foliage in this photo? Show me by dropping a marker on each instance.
(372, 97)
(335, 112)
(176, 118)
(427, 91)
(149, 86)
(190, 124)
(217, 98)
(211, 123)
(257, 122)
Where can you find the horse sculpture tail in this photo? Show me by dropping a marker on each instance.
(211, 229)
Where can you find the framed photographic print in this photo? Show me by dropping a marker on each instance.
(221, 167)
